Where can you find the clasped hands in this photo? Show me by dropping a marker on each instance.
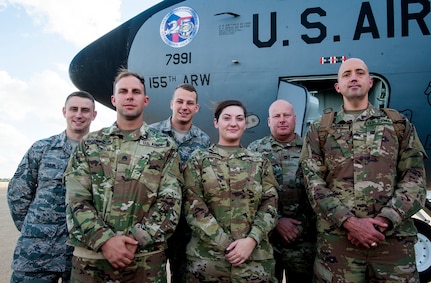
(239, 251)
(366, 232)
(287, 228)
(120, 250)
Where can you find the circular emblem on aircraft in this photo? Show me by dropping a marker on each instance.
(179, 27)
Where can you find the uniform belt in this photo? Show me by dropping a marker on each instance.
(89, 254)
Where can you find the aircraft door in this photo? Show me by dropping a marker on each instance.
(305, 105)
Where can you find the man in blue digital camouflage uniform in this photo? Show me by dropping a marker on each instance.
(179, 126)
(36, 198)
(365, 182)
(188, 137)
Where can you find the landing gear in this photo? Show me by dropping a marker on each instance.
(423, 250)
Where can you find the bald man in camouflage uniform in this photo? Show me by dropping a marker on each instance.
(124, 194)
(36, 198)
(365, 185)
(294, 238)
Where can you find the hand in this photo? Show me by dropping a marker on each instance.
(383, 225)
(361, 231)
(132, 247)
(118, 251)
(286, 228)
(239, 250)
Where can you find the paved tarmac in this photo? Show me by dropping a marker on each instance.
(8, 236)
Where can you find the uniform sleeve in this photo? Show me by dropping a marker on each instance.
(266, 215)
(323, 200)
(22, 187)
(164, 214)
(207, 142)
(253, 146)
(410, 190)
(198, 215)
(85, 225)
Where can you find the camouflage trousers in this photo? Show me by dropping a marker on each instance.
(40, 277)
(391, 261)
(203, 270)
(144, 269)
(296, 261)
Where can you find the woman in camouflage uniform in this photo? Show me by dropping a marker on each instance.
(231, 206)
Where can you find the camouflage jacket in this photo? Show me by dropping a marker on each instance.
(36, 198)
(195, 138)
(364, 171)
(292, 197)
(121, 185)
(229, 196)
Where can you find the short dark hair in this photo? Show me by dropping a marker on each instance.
(80, 93)
(123, 72)
(222, 105)
(187, 87)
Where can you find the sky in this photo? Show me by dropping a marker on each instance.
(39, 39)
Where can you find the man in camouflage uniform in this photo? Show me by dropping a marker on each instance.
(294, 238)
(364, 184)
(179, 126)
(188, 137)
(231, 206)
(36, 198)
(123, 194)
